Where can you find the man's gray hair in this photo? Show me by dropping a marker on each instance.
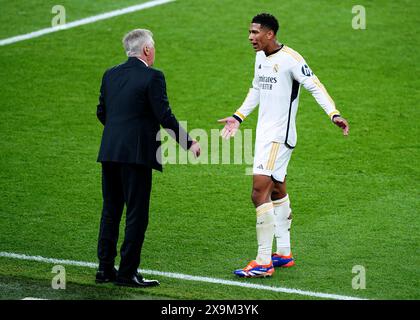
(136, 40)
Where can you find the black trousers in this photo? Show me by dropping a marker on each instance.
(128, 184)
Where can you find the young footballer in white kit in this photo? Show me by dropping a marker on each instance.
(279, 72)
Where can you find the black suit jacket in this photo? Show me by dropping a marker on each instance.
(132, 106)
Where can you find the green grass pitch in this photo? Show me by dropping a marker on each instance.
(355, 200)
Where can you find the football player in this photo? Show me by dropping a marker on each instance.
(279, 73)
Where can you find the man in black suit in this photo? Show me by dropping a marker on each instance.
(132, 106)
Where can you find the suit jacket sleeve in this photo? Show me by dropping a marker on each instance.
(100, 109)
(162, 111)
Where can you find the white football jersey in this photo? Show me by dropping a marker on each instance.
(275, 87)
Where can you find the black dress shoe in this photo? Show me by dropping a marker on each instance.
(105, 276)
(136, 281)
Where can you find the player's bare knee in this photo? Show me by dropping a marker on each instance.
(254, 196)
(278, 193)
(259, 197)
(275, 195)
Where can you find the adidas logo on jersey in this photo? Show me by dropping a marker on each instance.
(260, 167)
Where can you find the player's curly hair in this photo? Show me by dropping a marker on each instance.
(267, 20)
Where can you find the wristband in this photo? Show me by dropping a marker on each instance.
(237, 118)
(334, 116)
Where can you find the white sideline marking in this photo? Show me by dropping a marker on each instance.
(31, 298)
(186, 277)
(81, 22)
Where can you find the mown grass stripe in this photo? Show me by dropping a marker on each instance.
(84, 21)
(186, 277)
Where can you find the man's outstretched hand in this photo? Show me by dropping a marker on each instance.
(343, 124)
(230, 128)
(195, 149)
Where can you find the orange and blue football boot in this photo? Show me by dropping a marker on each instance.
(282, 261)
(255, 270)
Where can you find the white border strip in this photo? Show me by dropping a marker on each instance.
(186, 277)
(81, 22)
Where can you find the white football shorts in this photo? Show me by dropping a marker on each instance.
(271, 159)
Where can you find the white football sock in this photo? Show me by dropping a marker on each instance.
(283, 221)
(265, 232)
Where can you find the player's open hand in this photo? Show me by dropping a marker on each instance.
(230, 128)
(195, 149)
(343, 124)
